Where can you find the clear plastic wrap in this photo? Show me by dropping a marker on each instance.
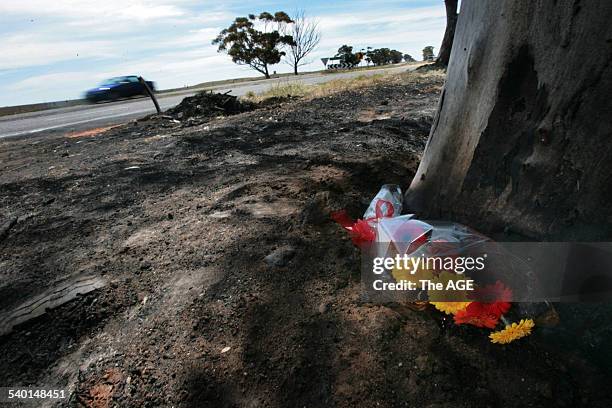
(389, 239)
(387, 203)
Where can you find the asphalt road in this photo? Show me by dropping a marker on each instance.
(83, 117)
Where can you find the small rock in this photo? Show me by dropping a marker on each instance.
(280, 256)
(6, 227)
(225, 349)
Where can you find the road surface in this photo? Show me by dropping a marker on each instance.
(82, 117)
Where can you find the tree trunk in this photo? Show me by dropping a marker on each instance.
(449, 33)
(266, 73)
(522, 139)
(295, 68)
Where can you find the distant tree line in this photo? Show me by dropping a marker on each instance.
(384, 56)
(375, 56)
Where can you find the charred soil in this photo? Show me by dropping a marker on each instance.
(226, 282)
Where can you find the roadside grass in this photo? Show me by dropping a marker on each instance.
(418, 76)
(280, 90)
(296, 89)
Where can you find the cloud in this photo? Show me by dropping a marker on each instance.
(66, 30)
(24, 50)
(56, 80)
(369, 18)
(142, 10)
(406, 30)
(198, 39)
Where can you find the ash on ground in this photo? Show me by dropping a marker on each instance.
(209, 105)
(228, 284)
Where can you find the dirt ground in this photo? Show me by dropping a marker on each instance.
(225, 283)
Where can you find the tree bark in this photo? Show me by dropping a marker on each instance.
(449, 33)
(522, 137)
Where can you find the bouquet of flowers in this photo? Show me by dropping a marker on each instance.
(388, 233)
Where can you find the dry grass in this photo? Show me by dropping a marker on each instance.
(280, 90)
(296, 89)
(413, 77)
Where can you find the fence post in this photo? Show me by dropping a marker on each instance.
(150, 92)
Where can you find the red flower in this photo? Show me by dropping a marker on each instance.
(479, 315)
(496, 297)
(362, 233)
(493, 293)
(499, 308)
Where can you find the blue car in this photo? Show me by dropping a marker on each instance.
(117, 88)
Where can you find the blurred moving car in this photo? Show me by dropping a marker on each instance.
(116, 88)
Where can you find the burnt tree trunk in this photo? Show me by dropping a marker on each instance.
(522, 139)
(449, 33)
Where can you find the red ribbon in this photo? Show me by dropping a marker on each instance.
(379, 209)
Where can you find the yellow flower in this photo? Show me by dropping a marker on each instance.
(450, 308)
(512, 332)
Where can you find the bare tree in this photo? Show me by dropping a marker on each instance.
(306, 36)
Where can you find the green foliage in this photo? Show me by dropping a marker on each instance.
(428, 53)
(347, 56)
(396, 56)
(247, 45)
(408, 58)
(384, 56)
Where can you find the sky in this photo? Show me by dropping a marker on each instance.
(56, 49)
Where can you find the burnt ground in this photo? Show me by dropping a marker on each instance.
(227, 285)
